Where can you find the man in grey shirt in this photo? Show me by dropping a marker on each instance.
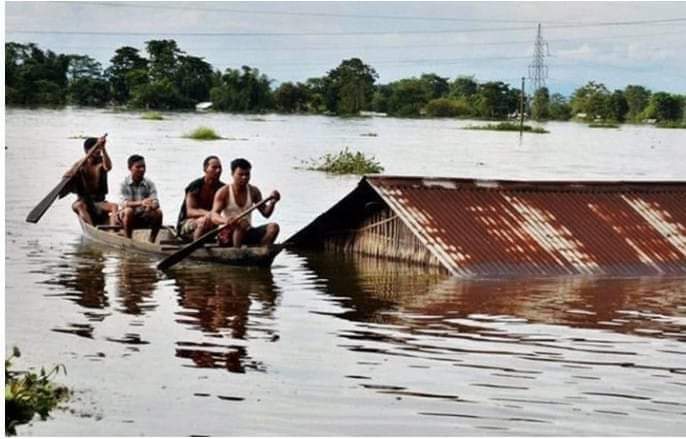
(139, 205)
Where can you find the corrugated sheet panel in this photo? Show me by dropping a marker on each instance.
(500, 228)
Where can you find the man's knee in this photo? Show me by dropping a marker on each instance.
(273, 229)
(78, 206)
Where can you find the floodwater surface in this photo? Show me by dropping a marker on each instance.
(330, 345)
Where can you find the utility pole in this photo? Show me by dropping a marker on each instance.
(538, 71)
(521, 110)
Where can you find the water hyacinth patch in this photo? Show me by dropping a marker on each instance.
(507, 126)
(203, 133)
(345, 162)
(28, 393)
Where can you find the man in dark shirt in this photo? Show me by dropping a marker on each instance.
(90, 185)
(195, 217)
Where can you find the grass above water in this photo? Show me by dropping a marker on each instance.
(28, 393)
(345, 162)
(671, 124)
(507, 126)
(203, 133)
(152, 115)
(603, 125)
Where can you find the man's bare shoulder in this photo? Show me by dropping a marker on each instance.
(255, 193)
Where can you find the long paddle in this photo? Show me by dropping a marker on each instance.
(46, 202)
(190, 248)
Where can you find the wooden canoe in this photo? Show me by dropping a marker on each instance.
(165, 245)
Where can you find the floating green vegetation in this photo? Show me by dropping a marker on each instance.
(507, 126)
(670, 124)
(152, 115)
(203, 133)
(28, 393)
(603, 125)
(345, 162)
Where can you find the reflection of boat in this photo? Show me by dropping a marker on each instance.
(236, 304)
(166, 244)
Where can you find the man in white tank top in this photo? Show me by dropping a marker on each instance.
(233, 199)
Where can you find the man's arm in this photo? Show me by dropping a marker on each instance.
(126, 197)
(218, 206)
(106, 160)
(192, 209)
(268, 208)
(151, 201)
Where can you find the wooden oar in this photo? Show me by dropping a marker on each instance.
(190, 248)
(46, 202)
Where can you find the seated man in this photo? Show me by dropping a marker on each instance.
(90, 185)
(139, 205)
(232, 199)
(195, 217)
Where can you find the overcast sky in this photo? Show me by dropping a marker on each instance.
(617, 43)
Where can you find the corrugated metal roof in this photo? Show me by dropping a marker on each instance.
(498, 228)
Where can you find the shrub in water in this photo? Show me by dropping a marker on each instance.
(346, 162)
(152, 115)
(203, 133)
(508, 126)
(27, 393)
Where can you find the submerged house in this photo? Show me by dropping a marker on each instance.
(488, 228)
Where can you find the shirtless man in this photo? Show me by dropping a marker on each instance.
(195, 217)
(90, 185)
(233, 199)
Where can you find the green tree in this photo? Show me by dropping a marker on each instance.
(540, 106)
(351, 85)
(495, 100)
(637, 98)
(444, 107)
(463, 86)
(127, 71)
(34, 77)
(437, 86)
(291, 98)
(163, 59)
(664, 107)
(194, 78)
(244, 90)
(559, 108)
(87, 86)
(408, 97)
(618, 106)
(593, 99)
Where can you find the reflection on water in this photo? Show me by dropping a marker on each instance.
(225, 303)
(343, 346)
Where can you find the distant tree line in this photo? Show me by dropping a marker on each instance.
(166, 78)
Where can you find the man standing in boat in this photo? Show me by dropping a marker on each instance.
(195, 217)
(139, 204)
(91, 185)
(232, 199)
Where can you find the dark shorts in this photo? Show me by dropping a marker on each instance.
(253, 236)
(142, 217)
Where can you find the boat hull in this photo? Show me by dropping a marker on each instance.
(245, 256)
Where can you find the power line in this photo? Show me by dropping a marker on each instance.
(353, 33)
(402, 46)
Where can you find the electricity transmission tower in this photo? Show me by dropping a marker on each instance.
(538, 71)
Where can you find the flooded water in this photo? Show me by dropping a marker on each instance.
(323, 345)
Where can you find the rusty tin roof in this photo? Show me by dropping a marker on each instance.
(489, 228)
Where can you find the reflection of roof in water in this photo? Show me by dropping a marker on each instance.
(479, 228)
(389, 293)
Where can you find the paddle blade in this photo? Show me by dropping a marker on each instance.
(38, 211)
